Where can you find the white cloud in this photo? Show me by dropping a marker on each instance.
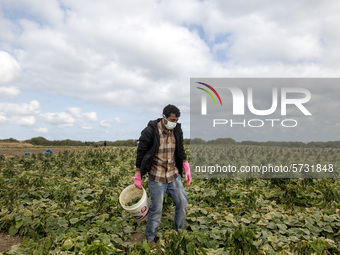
(61, 119)
(118, 120)
(83, 57)
(49, 13)
(9, 68)
(9, 93)
(31, 108)
(70, 117)
(17, 120)
(137, 63)
(110, 122)
(20, 114)
(266, 33)
(106, 123)
(78, 114)
(41, 130)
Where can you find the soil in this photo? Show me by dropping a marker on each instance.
(137, 237)
(7, 241)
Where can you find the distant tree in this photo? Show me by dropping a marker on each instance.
(9, 140)
(222, 141)
(249, 143)
(129, 142)
(197, 141)
(44, 142)
(38, 141)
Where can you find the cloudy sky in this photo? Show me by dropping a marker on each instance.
(100, 70)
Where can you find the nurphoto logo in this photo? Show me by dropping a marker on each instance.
(288, 96)
(264, 127)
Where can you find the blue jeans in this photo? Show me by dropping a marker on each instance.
(157, 191)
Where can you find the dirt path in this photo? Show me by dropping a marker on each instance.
(7, 241)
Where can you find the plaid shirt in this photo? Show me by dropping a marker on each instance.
(163, 168)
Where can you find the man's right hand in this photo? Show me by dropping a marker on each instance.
(138, 180)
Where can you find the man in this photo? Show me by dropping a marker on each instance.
(161, 154)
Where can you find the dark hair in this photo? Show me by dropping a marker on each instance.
(171, 109)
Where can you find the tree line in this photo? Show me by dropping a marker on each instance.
(230, 141)
(44, 142)
(134, 142)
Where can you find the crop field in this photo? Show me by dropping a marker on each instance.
(19, 149)
(278, 162)
(67, 203)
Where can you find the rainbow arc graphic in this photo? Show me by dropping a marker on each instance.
(213, 90)
(204, 100)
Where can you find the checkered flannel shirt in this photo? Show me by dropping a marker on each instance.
(163, 168)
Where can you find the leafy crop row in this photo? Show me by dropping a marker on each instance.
(67, 203)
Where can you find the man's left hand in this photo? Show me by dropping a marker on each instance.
(187, 172)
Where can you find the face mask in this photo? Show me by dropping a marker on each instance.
(170, 125)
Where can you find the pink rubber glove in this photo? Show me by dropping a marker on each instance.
(138, 180)
(187, 172)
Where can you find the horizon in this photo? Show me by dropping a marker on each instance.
(206, 141)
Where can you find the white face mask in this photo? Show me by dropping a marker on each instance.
(170, 125)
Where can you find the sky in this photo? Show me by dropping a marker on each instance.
(100, 70)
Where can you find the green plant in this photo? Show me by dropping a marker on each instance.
(69, 203)
(241, 241)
